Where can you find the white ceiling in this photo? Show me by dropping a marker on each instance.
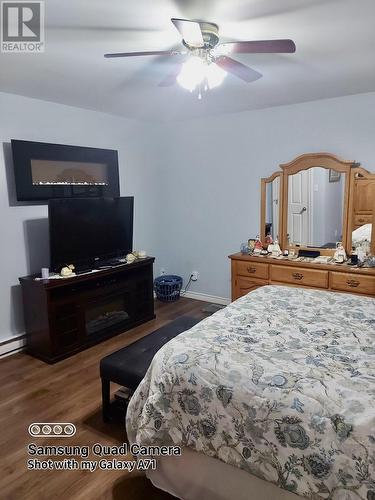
(335, 55)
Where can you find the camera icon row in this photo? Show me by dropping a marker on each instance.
(52, 429)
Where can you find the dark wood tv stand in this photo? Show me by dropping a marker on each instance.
(64, 316)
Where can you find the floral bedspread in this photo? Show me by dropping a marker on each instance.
(280, 383)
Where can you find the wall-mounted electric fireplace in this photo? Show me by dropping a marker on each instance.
(44, 171)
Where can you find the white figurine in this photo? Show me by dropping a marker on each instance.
(340, 254)
(130, 258)
(276, 250)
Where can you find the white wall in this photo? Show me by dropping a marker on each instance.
(23, 228)
(196, 183)
(212, 169)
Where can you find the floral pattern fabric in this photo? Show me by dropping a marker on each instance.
(281, 383)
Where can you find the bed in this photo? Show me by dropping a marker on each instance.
(279, 387)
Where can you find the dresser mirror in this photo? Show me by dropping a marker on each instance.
(271, 195)
(317, 200)
(362, 209)
(315, 210)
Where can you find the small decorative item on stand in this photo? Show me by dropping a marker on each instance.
(45, 273)
(258, 247)
(361, 254)
(366, 245)
(130, 258)
(340, 254)
(354, 257)
(67, 271)
(269, 239)
(244, 249)
(276, 250)
(251, 245)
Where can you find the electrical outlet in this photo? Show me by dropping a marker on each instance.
(162, 271)
(194, 276)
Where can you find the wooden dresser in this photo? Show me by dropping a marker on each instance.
(251, 272)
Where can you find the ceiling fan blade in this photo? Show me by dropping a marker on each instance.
(147, 53)
(259, 47)
(238, 69)
(190, 32)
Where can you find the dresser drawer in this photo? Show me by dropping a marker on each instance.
(246, 285)
(252, 269)
(359, 220)
(299, 276)
(353, 283)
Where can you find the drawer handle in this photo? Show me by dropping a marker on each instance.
(297, 276)
(251, 270)
(353, 283)
(361, 220)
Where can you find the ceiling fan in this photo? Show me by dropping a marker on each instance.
(208, 61)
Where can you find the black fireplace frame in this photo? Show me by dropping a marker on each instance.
(25, 151)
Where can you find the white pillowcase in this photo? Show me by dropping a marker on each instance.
(361, 234)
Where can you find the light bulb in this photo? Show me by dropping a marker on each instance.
(215, 75)
(192, 73)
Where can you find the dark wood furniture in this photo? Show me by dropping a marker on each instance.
(251, 272)
(64, 316)
(129, 365)
(33, 391)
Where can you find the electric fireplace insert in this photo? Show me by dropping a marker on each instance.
(45, 171)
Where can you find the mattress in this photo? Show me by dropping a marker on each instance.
(280, 384)
(194, 476)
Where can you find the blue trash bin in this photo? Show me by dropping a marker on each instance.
(168, 287)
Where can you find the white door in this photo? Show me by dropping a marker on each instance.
(298, 208)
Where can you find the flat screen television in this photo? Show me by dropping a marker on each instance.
(86, 232)
(44, 171)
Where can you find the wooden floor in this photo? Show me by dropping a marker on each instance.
(69, 391)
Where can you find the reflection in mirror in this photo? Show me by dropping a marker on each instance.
(361, 237)
(316, 207)
(273, 208)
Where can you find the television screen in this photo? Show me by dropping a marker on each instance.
(87, 230)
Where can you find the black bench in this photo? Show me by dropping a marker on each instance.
(128, 366)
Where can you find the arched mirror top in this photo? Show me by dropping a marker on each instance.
(272, 177)
(324, 160)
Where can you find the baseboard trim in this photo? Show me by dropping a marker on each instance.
(12, 346)
(207, 298)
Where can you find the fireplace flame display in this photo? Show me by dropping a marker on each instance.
(62, 173)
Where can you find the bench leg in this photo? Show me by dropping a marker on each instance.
(106, 400)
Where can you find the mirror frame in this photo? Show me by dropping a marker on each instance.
(356, 173)
(263, 200)
(304, 162)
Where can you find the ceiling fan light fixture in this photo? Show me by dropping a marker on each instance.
(192, 73)
(198, 72)
(215, 75)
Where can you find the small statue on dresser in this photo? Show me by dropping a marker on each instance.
(340, 254)
(258, 246)
(269, 239)
(276, 250)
